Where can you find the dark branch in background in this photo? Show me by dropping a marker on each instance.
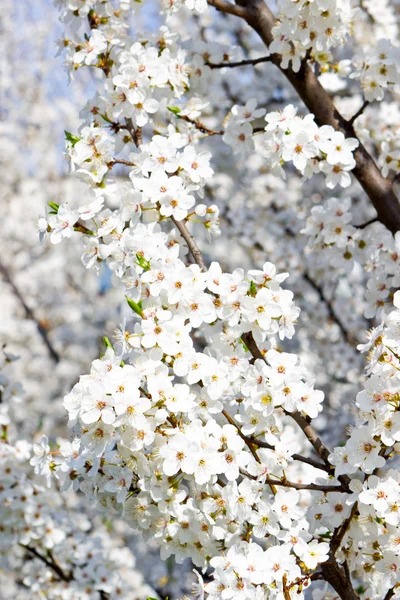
(379, 189)
(30, 314)
(359, 112)
(240, 63)
(334, 317)
(50, 562)
(328, 303)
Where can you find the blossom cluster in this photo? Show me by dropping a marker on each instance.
(378, 70)
(333, 238)
(56, 549)
(310, 27)
(372, 541)
(312, 149)
(183, 425)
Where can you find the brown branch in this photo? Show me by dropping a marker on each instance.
(248, 443)
(200, 126)
(299, 457)
(301, 421)
(319, 290)
(240, 63)
(389, 594)
(191, 243)
(51, 563)
(55, 567)
(340, 532)
(334, 317)
(379, 189)
(229, 9)
(120, 161)
(297, 486)
(339, 577)
(359, 112)
(135, 133)
(30, 314)
(364, 225)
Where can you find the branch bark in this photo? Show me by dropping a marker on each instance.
(379, 189)
(240, 63)
(30, 314)
(191, 243)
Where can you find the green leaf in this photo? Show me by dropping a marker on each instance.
(143, 262)
(241, 342)
(54, 206)
(107, 342)
(252, 289)
(135, 306)
(71, 138)
(174, 109)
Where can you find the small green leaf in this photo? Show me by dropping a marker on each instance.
(241, 342)
(71, 138)
(107, 343)
(143, 262)
(54, 206)
(135, 306)
(252, 289)
(174, 109)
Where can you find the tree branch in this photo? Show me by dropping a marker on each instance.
(30, 314)
(389, 594)
(379, 189)
(200, 126)
(50, 563)
(229, 9)
(240, 63)
(329, 307)
(359, 112)
(191, 243)
(297, 486)
(120, 161)
(299, 457)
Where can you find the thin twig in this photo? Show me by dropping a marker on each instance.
(329, 307)
(30, 314)
(358, 113)
(262, 444)
(191, 243)
(340, 532)
(309, 461)
(200, 126)
(297, 486)
(50, 563)
(246, 440)
(364, 225)
(240, 63)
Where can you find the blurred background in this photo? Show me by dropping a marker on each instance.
(54, 313)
